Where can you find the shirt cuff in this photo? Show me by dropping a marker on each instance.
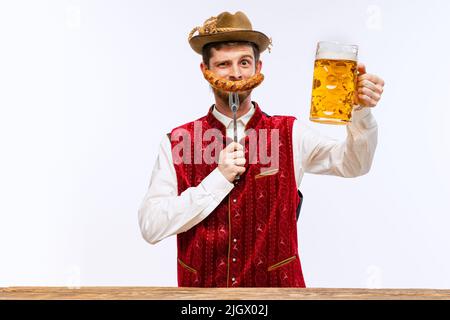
(363, 118)
(217, 185)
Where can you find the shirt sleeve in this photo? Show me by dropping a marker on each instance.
(163, 212)
(353, 157)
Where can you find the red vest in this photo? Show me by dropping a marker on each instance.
(250, 239)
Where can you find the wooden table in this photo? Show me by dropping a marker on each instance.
(169, 293)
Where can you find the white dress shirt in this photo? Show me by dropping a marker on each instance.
(163, 213)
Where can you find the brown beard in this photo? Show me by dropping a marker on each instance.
(223, 95)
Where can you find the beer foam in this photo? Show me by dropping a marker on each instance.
(336, 55)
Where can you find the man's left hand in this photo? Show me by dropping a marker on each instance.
(369, 86)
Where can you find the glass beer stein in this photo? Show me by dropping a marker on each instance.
(334, 83)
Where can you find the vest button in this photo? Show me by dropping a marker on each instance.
(234, 259)
(234, 240)
(234, 200)
(233, 279)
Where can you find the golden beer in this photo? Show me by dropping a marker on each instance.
(334, 83)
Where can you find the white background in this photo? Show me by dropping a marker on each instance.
(89, 88)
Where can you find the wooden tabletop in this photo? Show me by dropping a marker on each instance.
(170, 293)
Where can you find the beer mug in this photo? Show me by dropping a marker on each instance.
(334, 83)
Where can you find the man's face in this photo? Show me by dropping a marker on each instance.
(233, 63)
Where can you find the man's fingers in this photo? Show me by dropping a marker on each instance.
(239, 162)
(234, 158)
(372, 78)
(370, 85)
(369, 93)
(366, 101)
(236, 154)
(234, 146)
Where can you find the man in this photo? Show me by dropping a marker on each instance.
(235, 221)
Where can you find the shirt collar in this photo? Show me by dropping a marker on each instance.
(226, 121)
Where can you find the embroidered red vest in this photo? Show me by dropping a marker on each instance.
(250, 239)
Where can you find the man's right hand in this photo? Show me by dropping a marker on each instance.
(232, 161)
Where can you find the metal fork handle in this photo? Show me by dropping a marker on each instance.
(233, 101)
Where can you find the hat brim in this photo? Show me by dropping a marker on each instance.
(259, 38)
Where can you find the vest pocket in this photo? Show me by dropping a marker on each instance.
(281, 263)
(184, 265)
(267, 173)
